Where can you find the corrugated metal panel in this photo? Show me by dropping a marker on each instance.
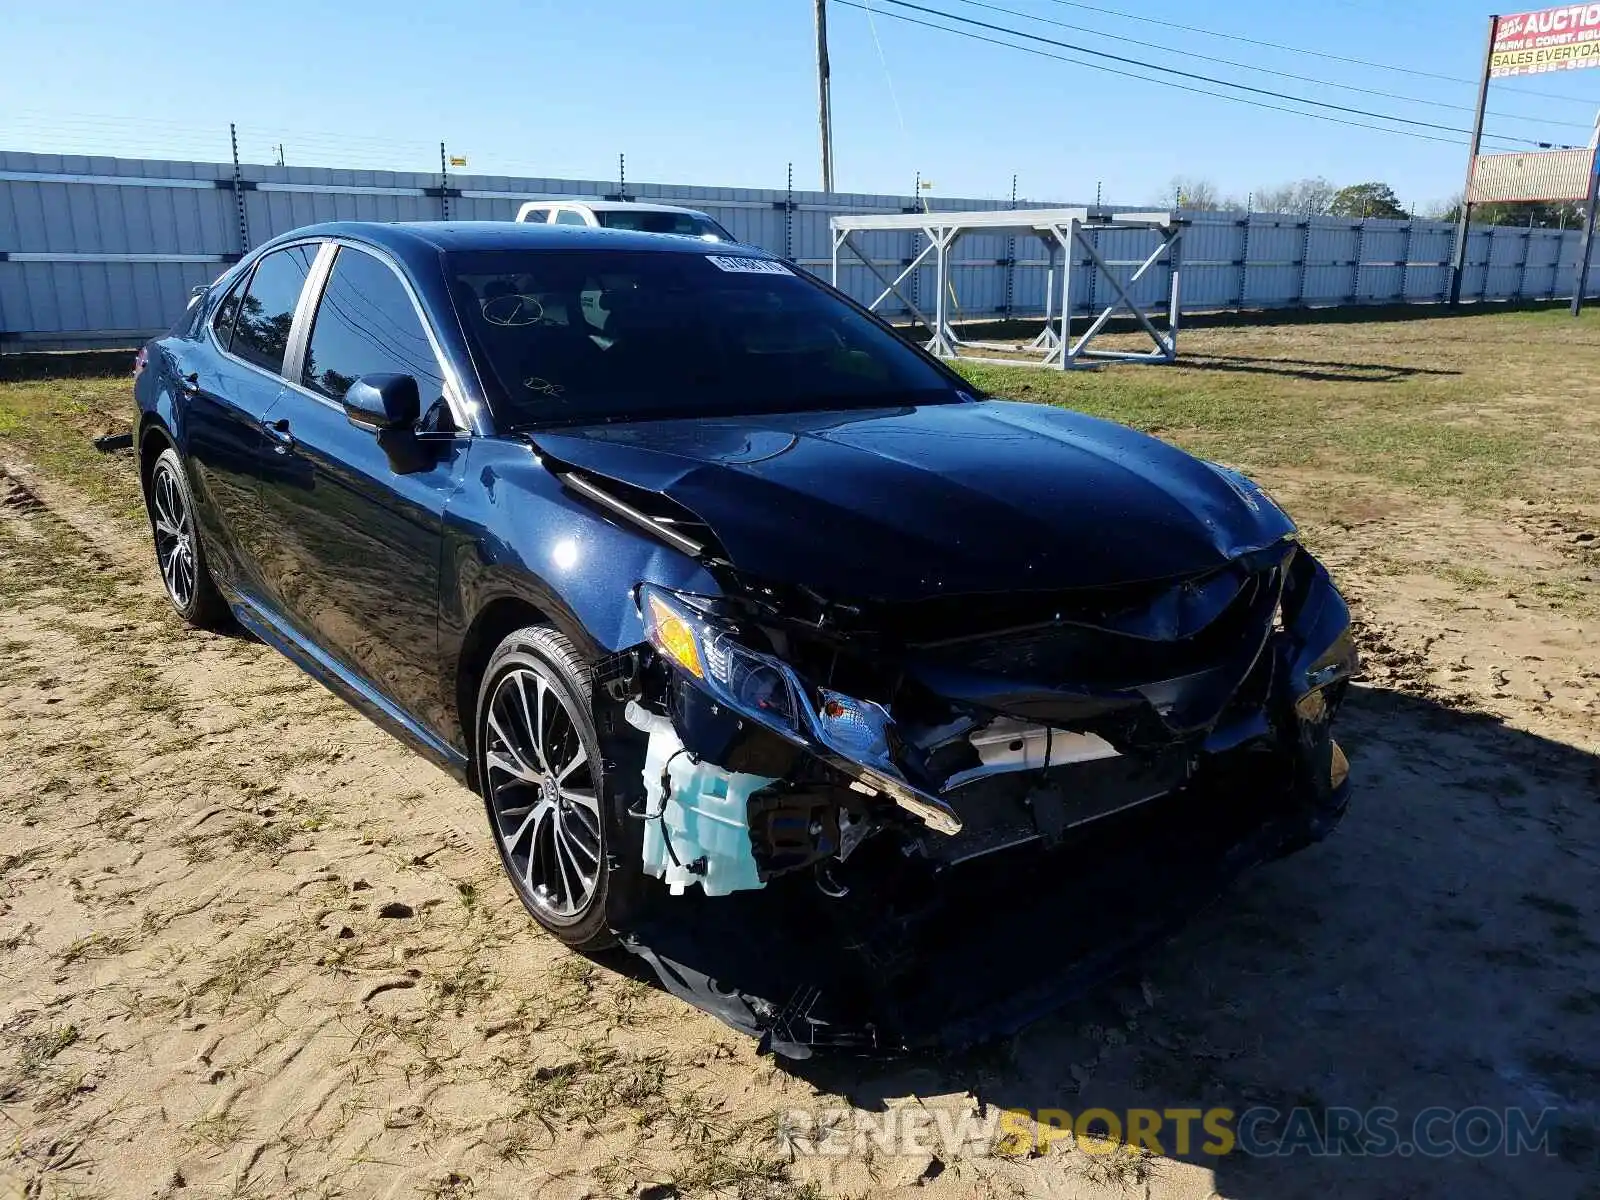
(106, 249)
(1546, 175)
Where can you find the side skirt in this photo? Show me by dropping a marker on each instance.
(377, 708)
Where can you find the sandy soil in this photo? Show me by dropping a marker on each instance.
(253, 947)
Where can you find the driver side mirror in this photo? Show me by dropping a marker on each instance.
(383, 402)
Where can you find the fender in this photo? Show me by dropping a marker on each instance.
(522, 535)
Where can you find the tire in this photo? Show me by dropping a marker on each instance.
(552, 814)
(180, 557)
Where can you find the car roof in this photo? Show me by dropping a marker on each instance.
(613, 205)
(406, 238)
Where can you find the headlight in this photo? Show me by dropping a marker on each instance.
(853, 735)
(752, 684)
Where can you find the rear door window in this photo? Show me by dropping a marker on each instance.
(266, 314)
(222, 319)
(649, 221)
(569, 216)
(366, 324)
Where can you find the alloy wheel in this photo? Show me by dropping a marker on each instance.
(542, 793)
(174, 528)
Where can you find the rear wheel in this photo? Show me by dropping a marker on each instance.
(179, 554)
(544, 784)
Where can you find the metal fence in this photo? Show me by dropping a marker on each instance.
(104, 251)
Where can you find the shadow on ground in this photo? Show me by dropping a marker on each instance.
(1437, 952)
(1024, 329)
(1311, 370)
(66, 364)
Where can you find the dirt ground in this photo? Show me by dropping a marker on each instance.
(254, 947)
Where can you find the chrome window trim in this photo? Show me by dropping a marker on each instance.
(462, 411)
(310, 300)
(299, 310)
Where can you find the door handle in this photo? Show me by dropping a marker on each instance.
(278, 431)
(190, 383)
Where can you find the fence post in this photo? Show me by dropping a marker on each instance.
(1405, 262)
(1093, 284)
(788, 218)
(915, 281)
(1527, 253)
(444, 185)
(1305, 259)
(1355, 267)
(1488, 262)
(1244, 253)
(238, 192)
(1011, 258)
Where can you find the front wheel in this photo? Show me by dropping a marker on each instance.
(544, 785)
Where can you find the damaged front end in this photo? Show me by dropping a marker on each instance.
(882, 758)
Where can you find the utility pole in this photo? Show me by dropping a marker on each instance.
(824, 95)
(1591, 211)
(1458, 260)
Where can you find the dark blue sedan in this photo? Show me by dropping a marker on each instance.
(707, 581)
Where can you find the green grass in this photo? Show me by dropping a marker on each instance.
(53, 423)
(1475, 407)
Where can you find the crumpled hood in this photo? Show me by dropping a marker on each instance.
(908, 503)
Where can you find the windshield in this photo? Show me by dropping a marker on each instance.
(645, 221)
(577, 337)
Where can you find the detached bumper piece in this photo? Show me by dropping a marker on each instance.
(905, 962)
(1034, 805)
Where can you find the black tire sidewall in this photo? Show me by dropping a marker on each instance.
(206, 607)
(542, 649)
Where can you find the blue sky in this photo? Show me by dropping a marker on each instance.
(724, 91)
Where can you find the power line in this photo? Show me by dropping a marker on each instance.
(1243, 87)
(1428, 137)
(85, 124)
(1249, 41)
(1245, 66)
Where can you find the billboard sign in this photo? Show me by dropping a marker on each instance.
(1518, 178)
(1566, 38)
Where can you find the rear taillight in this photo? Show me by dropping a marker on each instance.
(140, 361)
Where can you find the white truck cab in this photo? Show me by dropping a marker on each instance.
(625, 214)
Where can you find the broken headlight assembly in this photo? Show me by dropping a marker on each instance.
(854, 736)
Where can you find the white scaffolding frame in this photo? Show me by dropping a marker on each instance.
(1060, 229)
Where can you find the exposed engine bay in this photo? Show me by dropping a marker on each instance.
(909, 749)
(780, 742)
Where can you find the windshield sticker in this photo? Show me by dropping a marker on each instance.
(747, 266)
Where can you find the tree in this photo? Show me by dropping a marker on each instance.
(1191, 191)
(1367, 200)
(1448, 209)
(1307, 196)
(1540, 214)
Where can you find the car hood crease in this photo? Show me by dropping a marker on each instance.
(897, 504)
